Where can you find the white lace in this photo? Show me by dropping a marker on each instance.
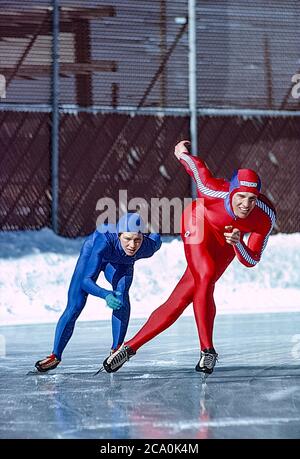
(208, 360)
(118, 358)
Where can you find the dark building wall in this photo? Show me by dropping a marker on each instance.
(119, 58)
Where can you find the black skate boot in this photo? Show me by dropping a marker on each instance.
(49, 363)
(207, 361)
(117, 359)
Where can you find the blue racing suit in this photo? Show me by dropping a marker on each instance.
(102, 251)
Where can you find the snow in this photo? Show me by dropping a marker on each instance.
(36, 268)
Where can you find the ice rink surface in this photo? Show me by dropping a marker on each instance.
(253, 393)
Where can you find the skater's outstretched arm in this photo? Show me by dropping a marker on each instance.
(207, 185)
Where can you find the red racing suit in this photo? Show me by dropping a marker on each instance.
(208, 258)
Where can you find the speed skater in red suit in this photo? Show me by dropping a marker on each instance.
(213, 229)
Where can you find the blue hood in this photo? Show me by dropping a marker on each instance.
(131, 222)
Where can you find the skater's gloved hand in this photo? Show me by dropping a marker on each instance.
(113, 300)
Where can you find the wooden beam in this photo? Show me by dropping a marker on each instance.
(20, 18)
(66, 68)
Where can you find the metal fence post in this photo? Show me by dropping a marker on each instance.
(55, 118)
(193, 84)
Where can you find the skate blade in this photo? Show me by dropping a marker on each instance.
(36, 372)
(101, 369)
(204, 377)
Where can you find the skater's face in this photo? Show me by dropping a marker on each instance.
(131, 242)
(243, 203)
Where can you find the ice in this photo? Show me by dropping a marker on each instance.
(253, 392)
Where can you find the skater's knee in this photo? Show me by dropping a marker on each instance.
(205, 276)
(208, 277)
(122, 313)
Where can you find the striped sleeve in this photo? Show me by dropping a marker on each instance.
(207, 185)
(249, 255)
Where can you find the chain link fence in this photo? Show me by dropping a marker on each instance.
(122, 102)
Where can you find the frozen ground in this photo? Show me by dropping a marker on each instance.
(253, 393)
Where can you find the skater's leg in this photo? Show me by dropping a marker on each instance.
(120, 277)
(120, 321)
(167, 313)
(76, 302)
(202, 267)
(66, 324)
(207, 262)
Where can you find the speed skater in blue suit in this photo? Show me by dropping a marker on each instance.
(113, 250)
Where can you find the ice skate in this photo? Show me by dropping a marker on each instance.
(118, 358)
(207, 362)
(49, 363)
(99, 371)
(112, 351)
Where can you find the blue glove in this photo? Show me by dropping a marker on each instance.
(113, 300)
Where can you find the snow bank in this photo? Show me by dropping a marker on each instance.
(36, 268)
